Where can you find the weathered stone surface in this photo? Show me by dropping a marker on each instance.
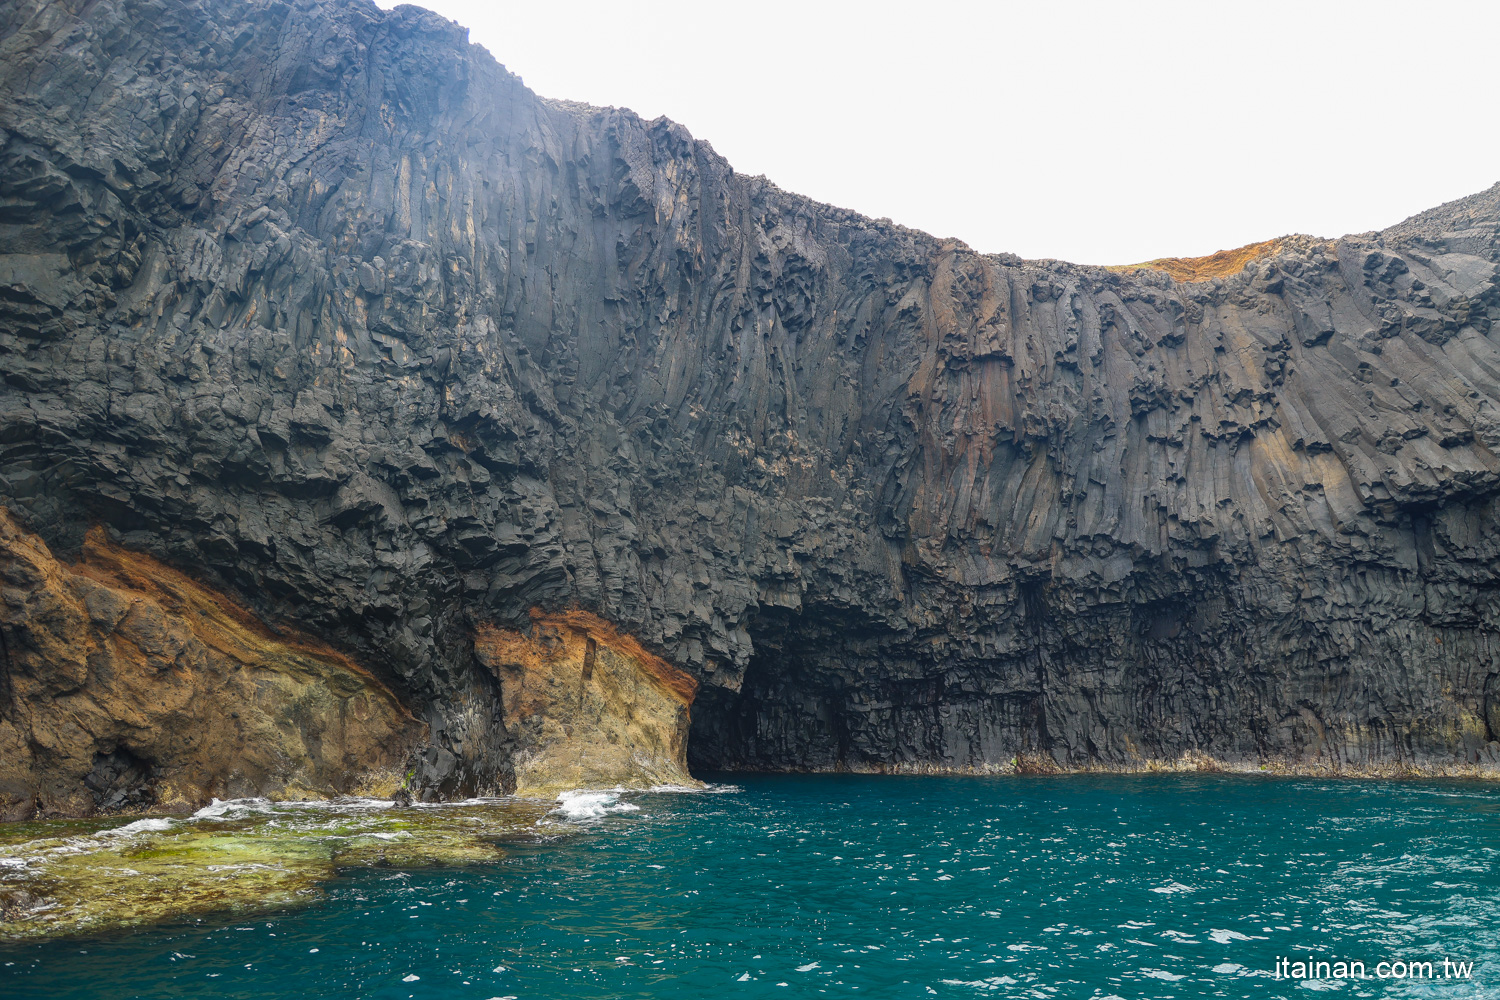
(587, 706)
(128, 686)
(323, 305)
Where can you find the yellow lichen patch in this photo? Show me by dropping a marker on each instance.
(589, 705)
(69, 877)
(132, 686)
(1215, 265)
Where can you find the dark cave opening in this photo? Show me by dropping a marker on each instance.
(827, 690)
(787, 710)
(120, 780)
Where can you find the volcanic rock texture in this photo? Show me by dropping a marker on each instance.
(322, 306)
(127, 687)
(587, 706)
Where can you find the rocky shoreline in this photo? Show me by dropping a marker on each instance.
(240, 857)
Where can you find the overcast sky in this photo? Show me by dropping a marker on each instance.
(1094, 132)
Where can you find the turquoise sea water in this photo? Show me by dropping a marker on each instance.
(1125, 886)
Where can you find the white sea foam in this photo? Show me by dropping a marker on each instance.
(1224, 937)
(345, 803)
(707, 788)
(485, 800)
(239, 808)
(139, 826)
(219, 808)
(1173, 887)
(581, 806)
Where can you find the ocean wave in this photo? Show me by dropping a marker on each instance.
(1172, 888)
(221, 808)
(139, 826)
(584, 805)
(707, 788)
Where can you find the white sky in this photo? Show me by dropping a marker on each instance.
(1103, 132)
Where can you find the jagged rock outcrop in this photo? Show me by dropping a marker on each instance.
(587, 706)
(127, 686)
(320, 304)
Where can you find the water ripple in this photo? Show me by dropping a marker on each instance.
(1096, 887)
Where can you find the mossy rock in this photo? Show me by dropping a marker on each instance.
(73, 876)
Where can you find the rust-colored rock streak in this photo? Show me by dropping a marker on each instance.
(588, 705)
(126, 685)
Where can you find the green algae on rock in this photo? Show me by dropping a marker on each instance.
(68, 877)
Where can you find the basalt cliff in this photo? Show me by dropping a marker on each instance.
(375, 412)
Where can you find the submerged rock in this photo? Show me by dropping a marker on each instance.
(321, 306)
(64, 878)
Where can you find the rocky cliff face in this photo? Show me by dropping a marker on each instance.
(587, 706)
(128, 686)
(321, 305)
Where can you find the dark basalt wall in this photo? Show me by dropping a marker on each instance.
(323, 306)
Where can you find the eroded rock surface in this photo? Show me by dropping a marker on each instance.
(587, 706)
(323, 304)
(130, 687)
